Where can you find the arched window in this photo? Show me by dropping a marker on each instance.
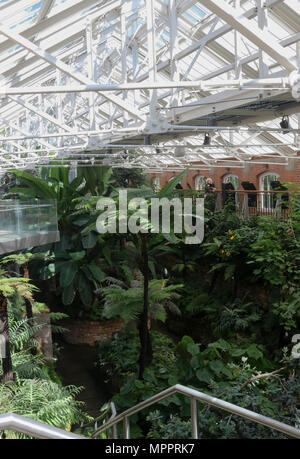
(233, 179)
(199, 182)
(268, 199)
(178, 186)
(156, 184)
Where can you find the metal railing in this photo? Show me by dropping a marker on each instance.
(195, 396)
(104, 416)
(36, 429)
(254, 202)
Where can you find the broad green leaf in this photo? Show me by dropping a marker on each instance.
(89, 240)
(193, 349)
(96, 272)
(204, 375)
(69, 294)
(77, 256)
(86, 295)
(170, 186)
(39, 186)
(107, 255)
(254, 352)
(47, 272)
(216, 366)
(68, 273)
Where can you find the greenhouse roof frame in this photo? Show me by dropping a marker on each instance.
(139, 83)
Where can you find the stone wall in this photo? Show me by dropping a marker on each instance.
(88, 332)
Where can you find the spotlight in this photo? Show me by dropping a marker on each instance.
(207, 139)
(284, 124)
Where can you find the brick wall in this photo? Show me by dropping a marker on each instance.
(251, 174)
(297, 179)
(88, 332)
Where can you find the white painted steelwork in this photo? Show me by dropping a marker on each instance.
(85, 75)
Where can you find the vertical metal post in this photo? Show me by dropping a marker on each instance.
(59, 101)
(151, 55)
(91, 73)
(115, 431)
(237, 48)
(40, 119)
(262, 23)
(173, 47)
(246, 207)
(124, 57)
(126, 428)
(194, 418)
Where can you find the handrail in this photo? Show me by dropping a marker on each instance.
(95, 421)
(204, 398)
(258, 191)
(27, 426)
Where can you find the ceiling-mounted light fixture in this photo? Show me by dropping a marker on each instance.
(207, 139)
(285, 124)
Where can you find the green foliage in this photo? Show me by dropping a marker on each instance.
(118, 362)
(175, 427)
(228, 288)
(223, 369)
(77, 276)
(36, 392)
(118, 356)
(275, 256)
(125, 178)
(128, 303)
(10, 286)
(41, 400)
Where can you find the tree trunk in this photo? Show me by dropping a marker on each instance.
(28, 305)
(8, 374)
(146, 354)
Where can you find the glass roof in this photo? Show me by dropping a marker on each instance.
(123, 82)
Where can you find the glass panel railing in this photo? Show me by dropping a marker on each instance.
(26, 224)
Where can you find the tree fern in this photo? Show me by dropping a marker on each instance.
(33, 393)
(128, 302)
(44, 401)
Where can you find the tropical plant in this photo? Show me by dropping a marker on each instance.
(128, 178)
(35, 391)
(55, 185)
(237, 372)
(141, 241)
(127, 303)
(10, 286)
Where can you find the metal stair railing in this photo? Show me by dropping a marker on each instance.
(36, 429)
(111, 408)
(195, 396)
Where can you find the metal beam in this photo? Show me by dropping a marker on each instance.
(45, 9)
(263, 40)
(57, 63)
(40, 113)
(271, 83)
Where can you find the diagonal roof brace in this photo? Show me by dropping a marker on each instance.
(45, 9)
(59, 64)
(262, 39)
